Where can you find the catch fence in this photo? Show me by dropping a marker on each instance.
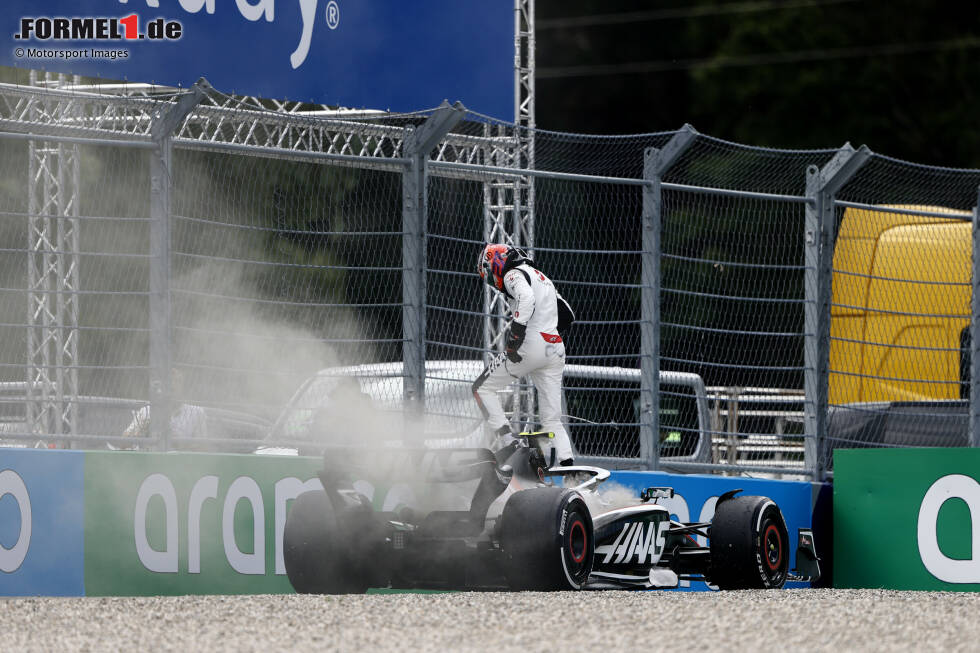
(230, 261)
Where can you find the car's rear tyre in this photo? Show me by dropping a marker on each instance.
(749, 545)
(316, 549)
(547, 540)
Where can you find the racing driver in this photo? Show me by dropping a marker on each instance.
(534, 345)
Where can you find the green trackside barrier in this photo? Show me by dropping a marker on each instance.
(907, 519)
(182, 523)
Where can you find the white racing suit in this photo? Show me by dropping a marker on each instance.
(534, 302)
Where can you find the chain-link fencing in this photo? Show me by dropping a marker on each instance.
(733, 300)
(275, 276)
(900, 340)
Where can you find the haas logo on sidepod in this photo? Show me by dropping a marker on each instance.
(639, 539)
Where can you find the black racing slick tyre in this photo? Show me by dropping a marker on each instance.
(314, 549)
(547, 540)
(749, 545)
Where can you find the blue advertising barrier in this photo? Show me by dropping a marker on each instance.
(365, 54)
(41, 523)
(695, 497)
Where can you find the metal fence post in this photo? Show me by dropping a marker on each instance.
(813, 419)
(655, 164)
(820, 228)
(974, 435)
(161, 332)
(417, 145)
(650, 313)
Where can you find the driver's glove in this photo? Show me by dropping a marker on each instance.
(515, 338)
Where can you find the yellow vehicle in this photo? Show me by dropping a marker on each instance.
(901, 301)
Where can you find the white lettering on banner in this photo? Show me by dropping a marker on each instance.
(286, 489)
(245, 488)
(11, 483)
(164, 561)
(254, 10)
(953, 486)
(194, 6)
(307, 9)
(205, 488)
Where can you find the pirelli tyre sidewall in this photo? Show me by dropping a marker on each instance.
(317, 557)
(749, 545)
(546, 537)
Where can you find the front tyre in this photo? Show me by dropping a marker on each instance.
(547, 540)
(749, 545)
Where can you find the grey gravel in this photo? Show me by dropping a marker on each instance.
(607, 622)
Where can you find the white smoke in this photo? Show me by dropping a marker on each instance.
(610, 496)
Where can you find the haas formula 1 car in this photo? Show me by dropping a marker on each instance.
(475, 520)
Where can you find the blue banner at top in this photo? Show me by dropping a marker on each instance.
(393, 55)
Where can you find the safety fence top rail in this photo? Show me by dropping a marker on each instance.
(229, 120)
(267, 128)
(25, 105)
(70, 113)
(363, 140)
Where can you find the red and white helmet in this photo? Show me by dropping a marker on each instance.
(496, 260)
(490, 267)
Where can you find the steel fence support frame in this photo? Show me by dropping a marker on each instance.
(524, 123)
(165, 123)
(68, 268)
(522, 230)
(53, 277)
(974, 435)
(416, 146)
(500, 200)
(656, 162)
(822, 186)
